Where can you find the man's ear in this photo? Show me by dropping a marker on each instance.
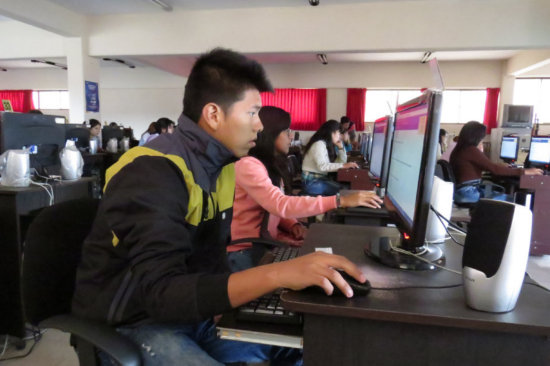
(212, 116)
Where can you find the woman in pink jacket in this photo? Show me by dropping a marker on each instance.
(261, 208)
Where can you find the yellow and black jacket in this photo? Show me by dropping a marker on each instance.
(157, 248)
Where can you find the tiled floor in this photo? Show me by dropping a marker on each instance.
(52, 350)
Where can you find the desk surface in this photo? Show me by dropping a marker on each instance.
(439, 307)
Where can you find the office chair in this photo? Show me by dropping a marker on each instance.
(295, 173)
(52, 253)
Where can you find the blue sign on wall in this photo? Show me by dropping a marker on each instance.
(92, 96)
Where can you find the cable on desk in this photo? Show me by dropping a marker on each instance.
(536, 285)
(47, 187)
(37, 336)
(399, 250)
(415, 287)
(441, 218)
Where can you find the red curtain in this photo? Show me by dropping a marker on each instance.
(21, 100)
(307, 107)
(355, 107)
(491, 108)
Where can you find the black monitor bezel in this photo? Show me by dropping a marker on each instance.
(416, 230)
(388, 137)
(505, 158)
(536, 163)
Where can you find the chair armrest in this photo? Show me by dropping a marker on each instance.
(263, 241)
(106, 338)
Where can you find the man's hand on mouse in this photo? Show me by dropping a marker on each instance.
(316, 269)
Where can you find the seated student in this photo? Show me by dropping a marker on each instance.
(442, 145)
(144, 136)
(162, 125)
(468, 162)
(323, 154)
(261, 209)
(154, 265)
(95, 132)
(346, 130)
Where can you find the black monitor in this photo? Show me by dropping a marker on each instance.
(539, 152)
(509, 147)
(109, 132)
(409, 187)
(80, 135)
(381, 144)
(517, 115)
(20, 130)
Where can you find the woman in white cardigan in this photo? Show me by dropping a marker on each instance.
(323, 154)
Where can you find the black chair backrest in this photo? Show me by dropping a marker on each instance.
(52, 253)
(444, 171)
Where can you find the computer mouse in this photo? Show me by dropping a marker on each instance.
(359, 289)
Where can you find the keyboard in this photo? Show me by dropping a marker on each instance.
(267, 308)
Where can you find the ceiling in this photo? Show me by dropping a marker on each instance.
(102, 7)
(180, 63)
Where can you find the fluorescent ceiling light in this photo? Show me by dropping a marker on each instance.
(162, 4)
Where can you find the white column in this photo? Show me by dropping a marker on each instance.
(81, 68)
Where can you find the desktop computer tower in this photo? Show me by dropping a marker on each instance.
(495, 255)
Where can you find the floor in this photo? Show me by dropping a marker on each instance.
(52, 350)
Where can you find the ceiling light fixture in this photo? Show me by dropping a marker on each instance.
(162, 4)
(126, 63)
(322, 58)
(51, 63)
(313, 2)
(426, 57)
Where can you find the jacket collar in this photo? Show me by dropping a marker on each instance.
(212, 154)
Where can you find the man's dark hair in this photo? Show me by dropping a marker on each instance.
(164, 123)
(94, 122)
(325, 134)
(471, 134)
(221, 76)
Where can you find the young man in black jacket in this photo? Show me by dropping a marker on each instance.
(154, 265)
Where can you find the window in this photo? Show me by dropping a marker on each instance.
(459, 106)
(379, 103)
(534, 92)
(51, 99)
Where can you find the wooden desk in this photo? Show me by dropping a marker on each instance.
(358, 178)
(414, 326)
(14, 204)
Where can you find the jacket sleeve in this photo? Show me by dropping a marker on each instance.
(320, 155)
(480, 159)
(145, 207)
(251, 175)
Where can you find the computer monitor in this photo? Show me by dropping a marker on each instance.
(20, 130)
(381, 144)
(539, 151)
(509, 147)
(108, 133)
(80, 135)
(410, 178)
(517, 116)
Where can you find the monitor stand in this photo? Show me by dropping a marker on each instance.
(379, 248)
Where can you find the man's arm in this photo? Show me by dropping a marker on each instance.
(315, 269)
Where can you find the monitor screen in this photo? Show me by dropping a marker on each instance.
(517, 115)
(509, 148)
(539, 151)
(381, 143)
(410, 179)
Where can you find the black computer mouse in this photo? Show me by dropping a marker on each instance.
(359, 289)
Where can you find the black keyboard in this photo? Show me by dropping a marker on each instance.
(267, 308)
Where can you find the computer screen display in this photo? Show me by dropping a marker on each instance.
(509, 148)
(378, 141)
(539, 152)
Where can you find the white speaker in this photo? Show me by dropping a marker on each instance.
(442, 201)
(495, 255)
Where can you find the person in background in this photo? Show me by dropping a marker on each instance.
(468, 162)
(160, 234)
(323, 154)
(345, 132)
(442, 146)
(261, 208)
(144, 136)
(162, 125)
